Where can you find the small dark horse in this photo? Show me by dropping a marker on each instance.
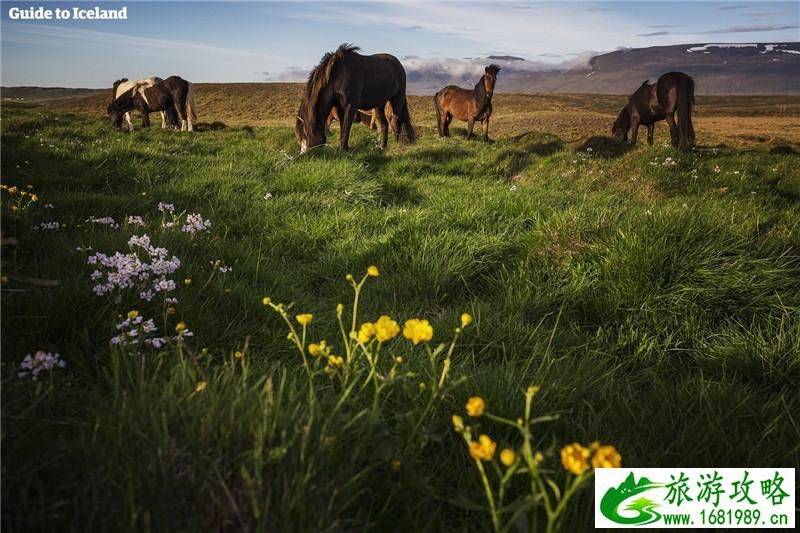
(348, 81)
(368, 118)
(466, 104)
(169, 96)
(673, 92)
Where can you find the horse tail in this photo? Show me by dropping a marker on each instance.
(684, 103)
(404, 122)
(438, 113)
(191, 114)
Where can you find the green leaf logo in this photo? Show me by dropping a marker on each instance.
(644, 507)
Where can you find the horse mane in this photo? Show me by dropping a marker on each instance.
(320, 76)
(116, 84)
(493, 69)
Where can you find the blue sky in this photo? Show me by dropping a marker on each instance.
(277, 41)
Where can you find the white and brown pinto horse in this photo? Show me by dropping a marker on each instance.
(172, 96)
(187, 115)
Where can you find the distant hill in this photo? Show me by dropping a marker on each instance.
(46, 94)
(718, 69)
(746, 68)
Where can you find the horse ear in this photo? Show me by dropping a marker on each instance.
(486, 70)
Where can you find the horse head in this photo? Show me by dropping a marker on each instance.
(490, 79)
(307, 132)
(114, 115)
(621, 125)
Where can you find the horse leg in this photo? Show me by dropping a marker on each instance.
(673, 128)
(163, 120)
(634, 130)
(378, 115)
(470, 125)
(485, 123)
(128, 120)
(448, 117)
(650, 132)
(346, 121)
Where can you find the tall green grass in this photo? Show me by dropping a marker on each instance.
(657, 306)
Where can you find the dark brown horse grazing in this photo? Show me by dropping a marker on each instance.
(349, 81)
(673, 92)
(172, 96)
(466, 104)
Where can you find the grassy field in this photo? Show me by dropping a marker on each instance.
(653, 295)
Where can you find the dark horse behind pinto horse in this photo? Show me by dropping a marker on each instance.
(348, 81)
(673, 92)
(466, 104)
(172, 96)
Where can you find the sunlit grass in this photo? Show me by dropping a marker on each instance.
(657, 306)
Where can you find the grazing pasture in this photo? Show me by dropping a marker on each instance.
(652, 294)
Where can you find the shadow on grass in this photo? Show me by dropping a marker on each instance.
(606, 147)
(216, 126)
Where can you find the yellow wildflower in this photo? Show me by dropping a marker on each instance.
(335, 360)
(466, 320)
(417, 330)
(34, 198)
(386, 329)
(458, 423)
(349, 277)
(170, 310)
(373, 271)
(475, 406)
(201, 386)
(507, 457)
(304, 319)
(315, 349)
(181, 326)
(533, 389)
(187, 281)
(12, 190)
(238, 355)
(339, 309)
(265, 300)
(4, 279)
(537, 458)
(133, 314)
(366, 332)
(606, 457)
(482, 449)
(398, 360)
(396, 465)
(575, 458)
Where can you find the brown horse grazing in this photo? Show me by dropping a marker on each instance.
(172, 96)
(364, 117)
(368, 118)
(349, 81)
(673, 92)
(465, 104)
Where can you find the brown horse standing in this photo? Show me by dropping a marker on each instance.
(673, 92)
(348, 81)
(465, 104)
(368, 118)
